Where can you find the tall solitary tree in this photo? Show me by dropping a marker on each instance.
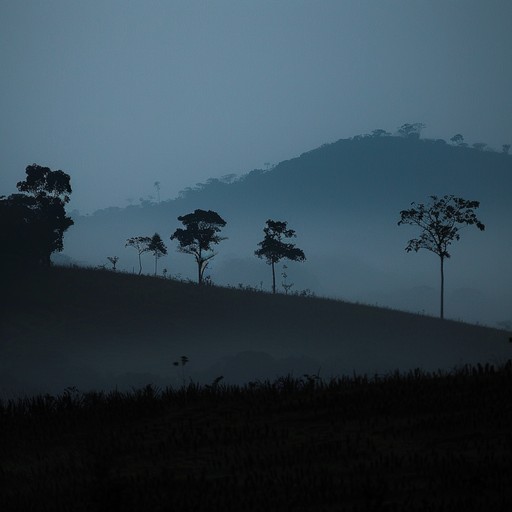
(157, 247)
(33, 222)
(201, 233)
(273, 247)
(141, 245)
(440, 222)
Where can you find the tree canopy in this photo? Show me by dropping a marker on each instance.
(411, 130)
(440, 222)
(273, 248)
(141, 245)
(200, 234)
(33, 222)
(157, 247)
(43, 182)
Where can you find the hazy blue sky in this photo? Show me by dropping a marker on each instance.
(121, 94)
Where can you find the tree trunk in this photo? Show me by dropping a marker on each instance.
(442, 287)
(140, 265)
(273, 279)
(199, 272)
(156, 259)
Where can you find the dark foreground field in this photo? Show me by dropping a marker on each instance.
(401, 443)
(99, 330)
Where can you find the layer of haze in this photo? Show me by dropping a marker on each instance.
(122, 94)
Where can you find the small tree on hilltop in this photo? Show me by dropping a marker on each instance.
(439, 222)
(411, 131)
(141, 245)
(157, 247)
(201, 233)
(274, 249)
(458, 139)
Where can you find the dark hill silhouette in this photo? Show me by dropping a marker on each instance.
(96, 329)
(343, 199)
(365, 176)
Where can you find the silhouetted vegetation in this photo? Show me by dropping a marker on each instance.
(199, 237)
(346, 192)
(411, 130)
(157, 247)
(439, 222)
(458, 140)
(403, 442)
(33, 223)
(113, 260)
(141, 245)
(273, 248)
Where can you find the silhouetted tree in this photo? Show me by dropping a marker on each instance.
(505, 148)
(480, 146)
(439, 222)
(274, 249)
(199, 236)
(411, 130)
(33, 223)
(113, 260)
(458, 139)
(43, 182)
(157, 247)
(141, 245)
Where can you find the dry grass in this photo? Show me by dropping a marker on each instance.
(405, 442)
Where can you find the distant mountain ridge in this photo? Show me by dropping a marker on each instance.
(397, 166)
(343, 199)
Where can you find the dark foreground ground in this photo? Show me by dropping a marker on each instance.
(411, 442)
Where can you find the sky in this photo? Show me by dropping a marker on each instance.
(122, 94)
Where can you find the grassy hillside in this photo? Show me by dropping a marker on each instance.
(343, 199)
(98, 329)
(410, 442)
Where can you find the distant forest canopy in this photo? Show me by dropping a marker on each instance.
(408, 131)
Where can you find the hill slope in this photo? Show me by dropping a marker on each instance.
(343, 199)
(97, 329)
